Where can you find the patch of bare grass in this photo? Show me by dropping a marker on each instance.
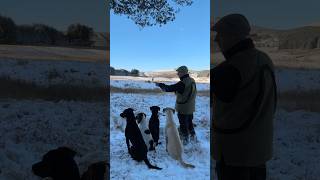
(300, 100)
(19, 89)
(148, 91)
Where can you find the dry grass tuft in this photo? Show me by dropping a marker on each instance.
(148, 91)
(296, 100)
(19, 89)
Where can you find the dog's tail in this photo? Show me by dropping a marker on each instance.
(151, 166)
(186, 165)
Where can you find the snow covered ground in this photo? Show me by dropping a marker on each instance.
(297, 80)
(159, 78)
(287, 79)
(93, 74)
(148, 84)
(123, 167)
(29, 129)
(296, 137)
(296, 147)
(52, 72)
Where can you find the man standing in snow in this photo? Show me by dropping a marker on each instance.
(185, 91)
(244, 103)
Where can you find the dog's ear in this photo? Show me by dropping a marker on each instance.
(127, 111)
(158, 108)
(141, 115)
(137, 117)
(151, 108)
(170, 109)
(67, 151)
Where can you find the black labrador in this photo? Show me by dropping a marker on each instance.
(138, 150)
(58, 164)
(154, 123)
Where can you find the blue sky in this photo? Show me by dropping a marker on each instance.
(58, 13)
(280, 14)
(185, 41)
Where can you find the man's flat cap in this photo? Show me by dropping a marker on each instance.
(182, 69)
(233, 24)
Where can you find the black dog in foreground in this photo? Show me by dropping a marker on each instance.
(58, 164)
(138, 150)
(154, 123)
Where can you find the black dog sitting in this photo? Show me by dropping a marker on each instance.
(138, 150)
(154, 123)
(58, 164)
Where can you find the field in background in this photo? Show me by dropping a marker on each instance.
(53, 73)
(142, 85)
(51, 97)
(19, 89)
(53, 53)
(304, 100)
(286, 58)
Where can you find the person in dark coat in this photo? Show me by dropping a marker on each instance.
(243, 90)
(185, 91)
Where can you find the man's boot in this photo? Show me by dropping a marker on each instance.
(193, 138)
(183, 128)
(183, 137)
(185, 140)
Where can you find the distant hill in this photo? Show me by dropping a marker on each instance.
(316, 24)
(173, 74)
(264, 37)
(288, 48)
(163, 73)
(306, 37)
(23, 52)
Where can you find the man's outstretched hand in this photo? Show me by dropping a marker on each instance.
(160, 85)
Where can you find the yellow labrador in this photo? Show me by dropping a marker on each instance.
(173, 143)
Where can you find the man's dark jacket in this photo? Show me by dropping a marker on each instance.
(244, 100)
(185, 91)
